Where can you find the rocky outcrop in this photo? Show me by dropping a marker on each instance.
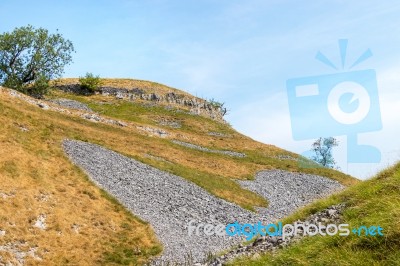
(80, 109)
(218, 134)
(196, 105)
(18, 251)
(154, 131)
(71, 104)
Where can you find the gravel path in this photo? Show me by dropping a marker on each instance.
(169, 202)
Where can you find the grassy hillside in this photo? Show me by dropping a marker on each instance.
(39, 181)
(373, 202)
(83, 224)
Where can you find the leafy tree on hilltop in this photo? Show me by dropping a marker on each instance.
(30, 57)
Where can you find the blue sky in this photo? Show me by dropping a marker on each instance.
(239, 52)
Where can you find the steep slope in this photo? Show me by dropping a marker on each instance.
(375, 202)
(49, 207)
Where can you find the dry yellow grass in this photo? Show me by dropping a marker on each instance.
(40, 180)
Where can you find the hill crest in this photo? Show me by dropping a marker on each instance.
(131, 89)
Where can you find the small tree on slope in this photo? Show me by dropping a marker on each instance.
(322, 148)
